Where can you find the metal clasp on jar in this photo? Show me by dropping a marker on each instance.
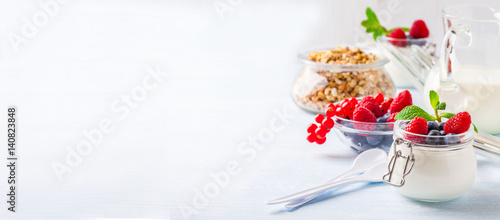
(409, 162)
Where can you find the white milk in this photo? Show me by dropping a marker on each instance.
(482, 88)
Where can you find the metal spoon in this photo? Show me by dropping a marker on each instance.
(374, 174)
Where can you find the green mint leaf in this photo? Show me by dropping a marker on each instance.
(447, 115)
(434, 97)
(475, 129)
(371, 15)
(412, 111)
(441, 106)
(379, 32)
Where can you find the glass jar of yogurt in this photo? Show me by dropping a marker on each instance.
(431, 173)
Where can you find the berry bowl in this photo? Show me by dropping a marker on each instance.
(361, 136)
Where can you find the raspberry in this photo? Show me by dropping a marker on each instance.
(384, 107)
(419, 30)
(417, 126)
(319, 118)
(404, 99)
(364, 115)
(458, 124)
(379, 98)
(400, 35)
(391, 119)
(372, 105)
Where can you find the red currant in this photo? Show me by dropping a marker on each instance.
(354, 101)
(331, 105)
(312, 137)
(312, 128)
(328, 123)
(321, 131)
(379, 98)
(320, 140)
(340, 112)
(348, 106)
(319, 118)
(329, 112)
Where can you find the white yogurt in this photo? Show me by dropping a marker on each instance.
(439, 173)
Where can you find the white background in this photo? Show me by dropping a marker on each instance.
(224, 76)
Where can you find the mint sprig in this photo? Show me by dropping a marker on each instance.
(412, 111)
(372, 25)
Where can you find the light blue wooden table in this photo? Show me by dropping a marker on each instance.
(216, 137)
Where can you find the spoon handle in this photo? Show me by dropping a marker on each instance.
(317, 189)
(301, 201)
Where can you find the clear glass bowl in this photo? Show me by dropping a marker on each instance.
(319, 84)
(361, 136)
(411, 59)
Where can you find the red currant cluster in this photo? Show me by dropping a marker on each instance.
(317, 133)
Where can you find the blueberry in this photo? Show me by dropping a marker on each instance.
(442, 133)
(387, 142)
(441, 126)
(387, 115)
(432, 125)
(374, 140)
(358, 140)
(434, 139)
(451, 139)
(381, 120)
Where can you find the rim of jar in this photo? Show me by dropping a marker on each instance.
(304, 58)
(465, 138)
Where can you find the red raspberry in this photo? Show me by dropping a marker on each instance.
(391, 119)
(364, 115)
(458, 124)
(379, 98)
(370, 104)
(400, 35)
(404, 99)
(419, 30)
(417, 126)
(384, 107)
(311, 128)
(319, 118)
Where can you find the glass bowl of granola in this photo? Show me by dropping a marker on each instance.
(331, 75)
